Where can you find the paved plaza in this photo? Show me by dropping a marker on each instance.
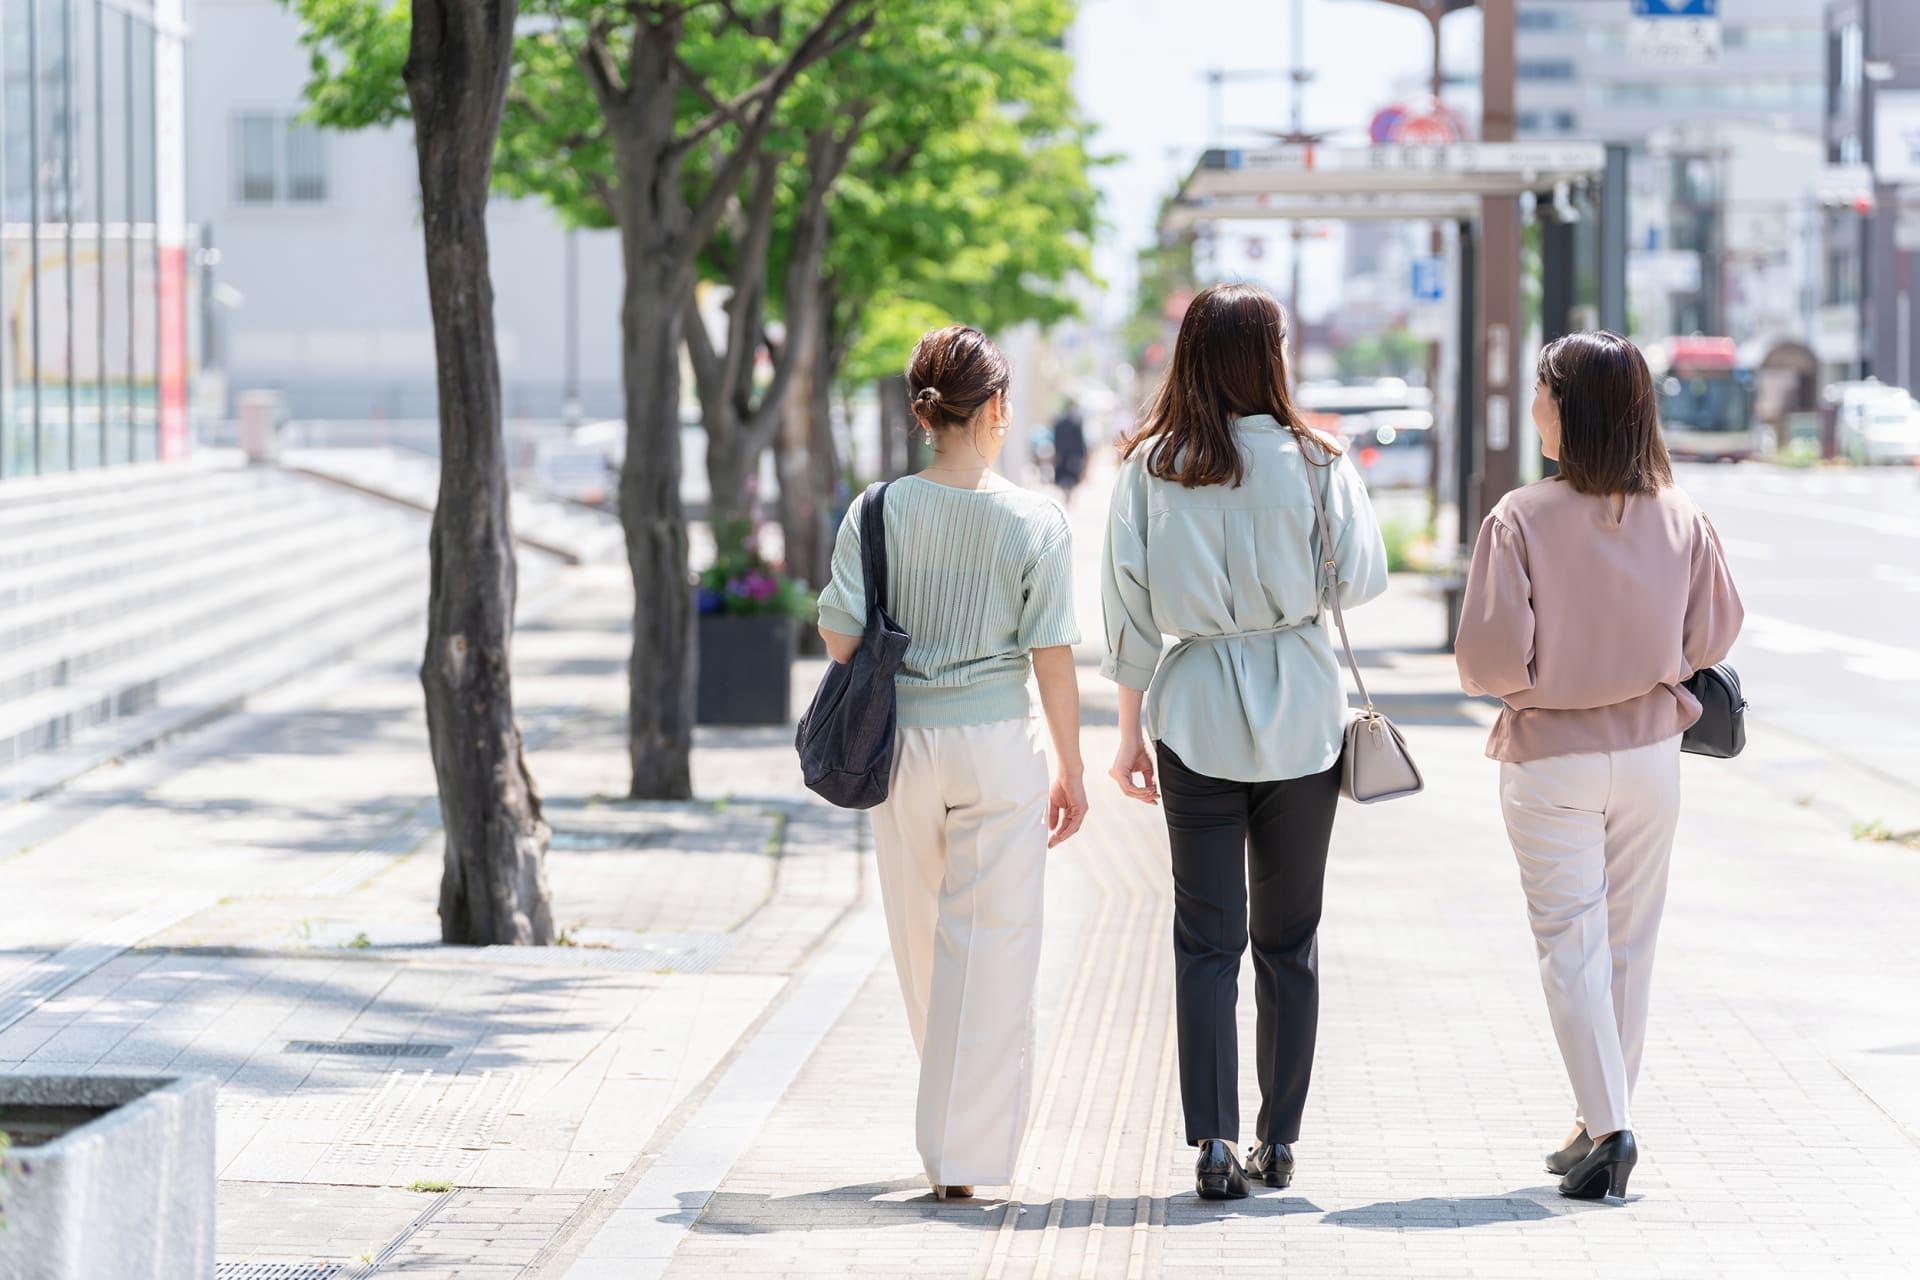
(715, 1077)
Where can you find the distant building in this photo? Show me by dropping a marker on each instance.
(1725, 229)
(320, 271)
(95, 360)
(1872, 136)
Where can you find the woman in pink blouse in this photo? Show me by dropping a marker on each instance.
(1592, 596)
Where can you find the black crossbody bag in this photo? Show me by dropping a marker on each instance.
(845, 739)
(1721, 730)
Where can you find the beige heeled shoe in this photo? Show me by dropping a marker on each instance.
(956, 1192)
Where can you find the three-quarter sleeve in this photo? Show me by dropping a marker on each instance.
(1046, 611)
(1126, 605)
(1359, 552)
(843, 601)
(1714, 611)
(1494, 649)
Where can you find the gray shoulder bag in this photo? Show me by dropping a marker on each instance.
(1374, 762)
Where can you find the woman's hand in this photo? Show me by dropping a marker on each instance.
(1066, 807)
(1133, 762)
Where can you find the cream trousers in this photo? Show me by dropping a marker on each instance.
(962, 846)
(1594, 836)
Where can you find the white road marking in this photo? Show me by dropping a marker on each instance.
(1876, 521)
(1893, 663)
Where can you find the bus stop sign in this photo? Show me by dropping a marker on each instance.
(1675, 33)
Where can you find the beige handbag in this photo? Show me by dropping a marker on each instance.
(1374, 762)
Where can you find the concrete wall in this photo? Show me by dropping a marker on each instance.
(335, 305)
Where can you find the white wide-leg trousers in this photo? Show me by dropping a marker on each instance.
(962, 846)
(1594, 836)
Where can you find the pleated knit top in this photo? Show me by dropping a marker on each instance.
(979, 578)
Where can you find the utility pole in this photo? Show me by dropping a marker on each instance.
(1499, 338)
(1300, 76)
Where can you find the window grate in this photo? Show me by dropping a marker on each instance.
(370, 1048)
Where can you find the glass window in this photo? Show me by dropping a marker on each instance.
(1544, 69)
(256, 157)
(1544, 20)
(306, 163)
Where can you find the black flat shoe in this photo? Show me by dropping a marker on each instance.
(1604, 1170)
(1271, 1163)
(1217, 1175)
(1561, 1162)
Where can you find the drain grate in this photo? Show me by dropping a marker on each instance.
(370, 1048)
(277, 1271)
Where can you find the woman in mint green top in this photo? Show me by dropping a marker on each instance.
(980, 579)
(979, 572)
(1212, 541)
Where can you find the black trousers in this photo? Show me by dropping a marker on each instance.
(1249, 860)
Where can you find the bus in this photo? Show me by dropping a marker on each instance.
(1706, 400)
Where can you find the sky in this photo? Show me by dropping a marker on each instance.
(1139, 68)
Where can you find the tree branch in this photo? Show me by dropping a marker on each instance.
(820, 42)
(708, 373)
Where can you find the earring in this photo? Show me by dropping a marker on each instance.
(1000, 430)
(926, 436)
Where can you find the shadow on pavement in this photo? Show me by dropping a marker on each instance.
(1438, 1213)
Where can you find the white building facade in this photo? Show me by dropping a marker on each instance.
(319, 280)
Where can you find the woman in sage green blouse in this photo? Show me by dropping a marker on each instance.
(1212, 541)
(979, 572)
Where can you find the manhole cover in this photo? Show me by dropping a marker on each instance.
(370, 1048)
(276, 1271)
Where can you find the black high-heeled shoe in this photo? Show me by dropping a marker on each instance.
(1217, 1174)
(1271, 1163)
(1604, 1170)
(1561, 1162)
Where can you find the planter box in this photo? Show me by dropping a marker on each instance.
(746, 669)
(113, 1176)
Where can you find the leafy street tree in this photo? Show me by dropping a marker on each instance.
(966, 199)
(647, 116)
(494, 886)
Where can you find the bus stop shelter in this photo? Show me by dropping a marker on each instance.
(1577, 189)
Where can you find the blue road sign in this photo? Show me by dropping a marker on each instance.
(1676, 8)
(1429, 279)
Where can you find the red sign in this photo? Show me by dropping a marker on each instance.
(1431, 123)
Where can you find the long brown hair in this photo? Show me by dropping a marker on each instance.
(1230, 361)
(1610, 438)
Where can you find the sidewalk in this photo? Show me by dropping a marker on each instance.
(258, 902)
(717, 1078)
(1780, 1109)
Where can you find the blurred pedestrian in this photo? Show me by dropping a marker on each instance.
(1592, 596)
(980, 575)
(1069, 449)
(1213, 539)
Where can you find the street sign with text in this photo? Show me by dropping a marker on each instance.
(1675, 33)
(1429, 279)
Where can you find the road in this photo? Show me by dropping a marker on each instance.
(1828, 564)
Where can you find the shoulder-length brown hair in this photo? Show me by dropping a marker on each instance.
(1610, 438)
(1230, 361)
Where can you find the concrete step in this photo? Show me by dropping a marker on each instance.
(35, 596)
(310, 557)
(380, 578)
(37, 514)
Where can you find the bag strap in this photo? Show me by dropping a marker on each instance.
(873, 547)
(1330, 570)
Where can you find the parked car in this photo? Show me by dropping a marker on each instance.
(1877, 424)
(1390, 447)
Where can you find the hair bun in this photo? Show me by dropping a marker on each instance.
(927, 396)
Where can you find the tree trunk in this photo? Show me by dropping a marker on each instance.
(897, 427)
(494, 885)
(730, 477)
(809, 473)
(663, 665)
